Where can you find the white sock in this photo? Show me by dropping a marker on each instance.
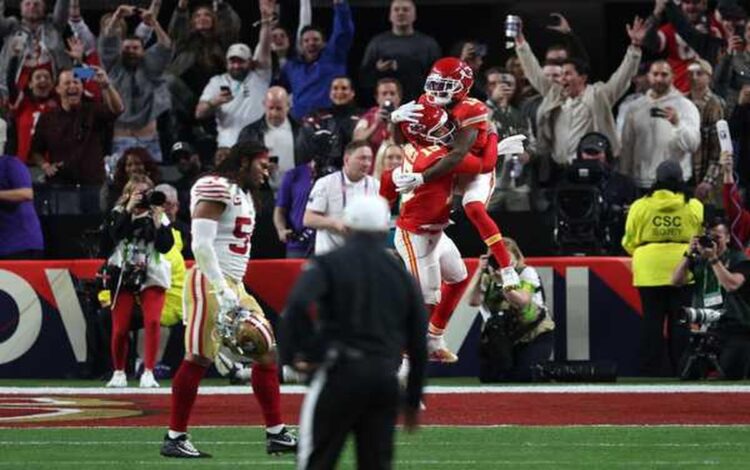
(275, 429)
(174, 434)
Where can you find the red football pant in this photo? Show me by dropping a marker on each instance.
(184, 390)
(450, 295)
(152, 303)
(265, 382)
(488, 230)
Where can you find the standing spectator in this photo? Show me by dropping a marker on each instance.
(373, 125)
(737, 215)
(662, 125)
(572, 108)
(732, 70)
(68, 143)
(309, 76)
(291, 201)
(389, 157)
(38, 99)
(513, 186)
(706, 171)
(235, 98)
(35, 41)
(141, 235)
(640, 87)
(281, 44)
(277, 131)
(665, 39)
(739, 124)
(369, 313)
(657, 232)
(473, 54)
(335, 124)
(138, 74)
(20, 231)
(401, 53)
(331, 193)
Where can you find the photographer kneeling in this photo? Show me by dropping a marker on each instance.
(720, 275)
(518, 331)
(138, 272)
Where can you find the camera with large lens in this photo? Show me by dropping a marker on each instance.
(701, 316)
(706, 241)
(152, 198)
(326, 152)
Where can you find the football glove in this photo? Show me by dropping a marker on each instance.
(512, 145)
(228, 304)
(409, 112)
(407, 182)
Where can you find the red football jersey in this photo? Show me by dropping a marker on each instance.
(428, 207)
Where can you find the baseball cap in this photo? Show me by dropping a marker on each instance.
(669, 170)
(181, 148)
(700, 64)
(240, 51)
(367, 214)
(594, 142)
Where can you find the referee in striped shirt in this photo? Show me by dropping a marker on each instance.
(369, 310)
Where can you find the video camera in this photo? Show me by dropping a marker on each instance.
(326, 152)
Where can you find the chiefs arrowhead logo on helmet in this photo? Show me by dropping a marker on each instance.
(450, 79)
(433, 128)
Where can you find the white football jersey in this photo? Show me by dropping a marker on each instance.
(236, 224)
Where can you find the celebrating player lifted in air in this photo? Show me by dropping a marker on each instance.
(448, 85)
(219, 310)
(429, 254)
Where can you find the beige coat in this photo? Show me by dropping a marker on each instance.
(599, 97)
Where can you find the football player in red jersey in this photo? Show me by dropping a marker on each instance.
(428, 253)
(448, 85)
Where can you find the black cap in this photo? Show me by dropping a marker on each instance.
(181, 148)
(594, 142)
(669, 170)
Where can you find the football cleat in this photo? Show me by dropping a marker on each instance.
(437, 350)
(510, 278)
(148, 380)
(118, 380)
(281, 443)
(181, 448)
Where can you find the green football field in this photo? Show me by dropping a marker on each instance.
(432, 447)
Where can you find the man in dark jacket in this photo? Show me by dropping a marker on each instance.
(368, 311)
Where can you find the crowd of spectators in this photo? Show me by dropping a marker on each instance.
(88, 106)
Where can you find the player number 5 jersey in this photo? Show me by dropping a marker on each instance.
(236, 224)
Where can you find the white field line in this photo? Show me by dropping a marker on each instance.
(656, 445)
(435, 390)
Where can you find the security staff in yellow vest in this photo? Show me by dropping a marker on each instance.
(657, 232)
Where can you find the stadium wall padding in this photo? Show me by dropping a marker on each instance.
(44, 313)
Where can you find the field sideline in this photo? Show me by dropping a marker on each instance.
(465, 427)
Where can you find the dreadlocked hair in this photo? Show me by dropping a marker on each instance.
(230, 166)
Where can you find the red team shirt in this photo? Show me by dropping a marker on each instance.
(680, 55)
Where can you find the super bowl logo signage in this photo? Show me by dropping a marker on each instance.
(42, 326)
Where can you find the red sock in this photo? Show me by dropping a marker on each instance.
(152, 303)
(121, 315)
(265, 382)
(488, 230)
(184, 390)
(450, 295)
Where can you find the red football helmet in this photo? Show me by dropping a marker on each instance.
(450, 79)
(433, 128)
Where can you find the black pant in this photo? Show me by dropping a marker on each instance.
(527, 355)
(359, 396)
(734, 357)
(662, 303)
